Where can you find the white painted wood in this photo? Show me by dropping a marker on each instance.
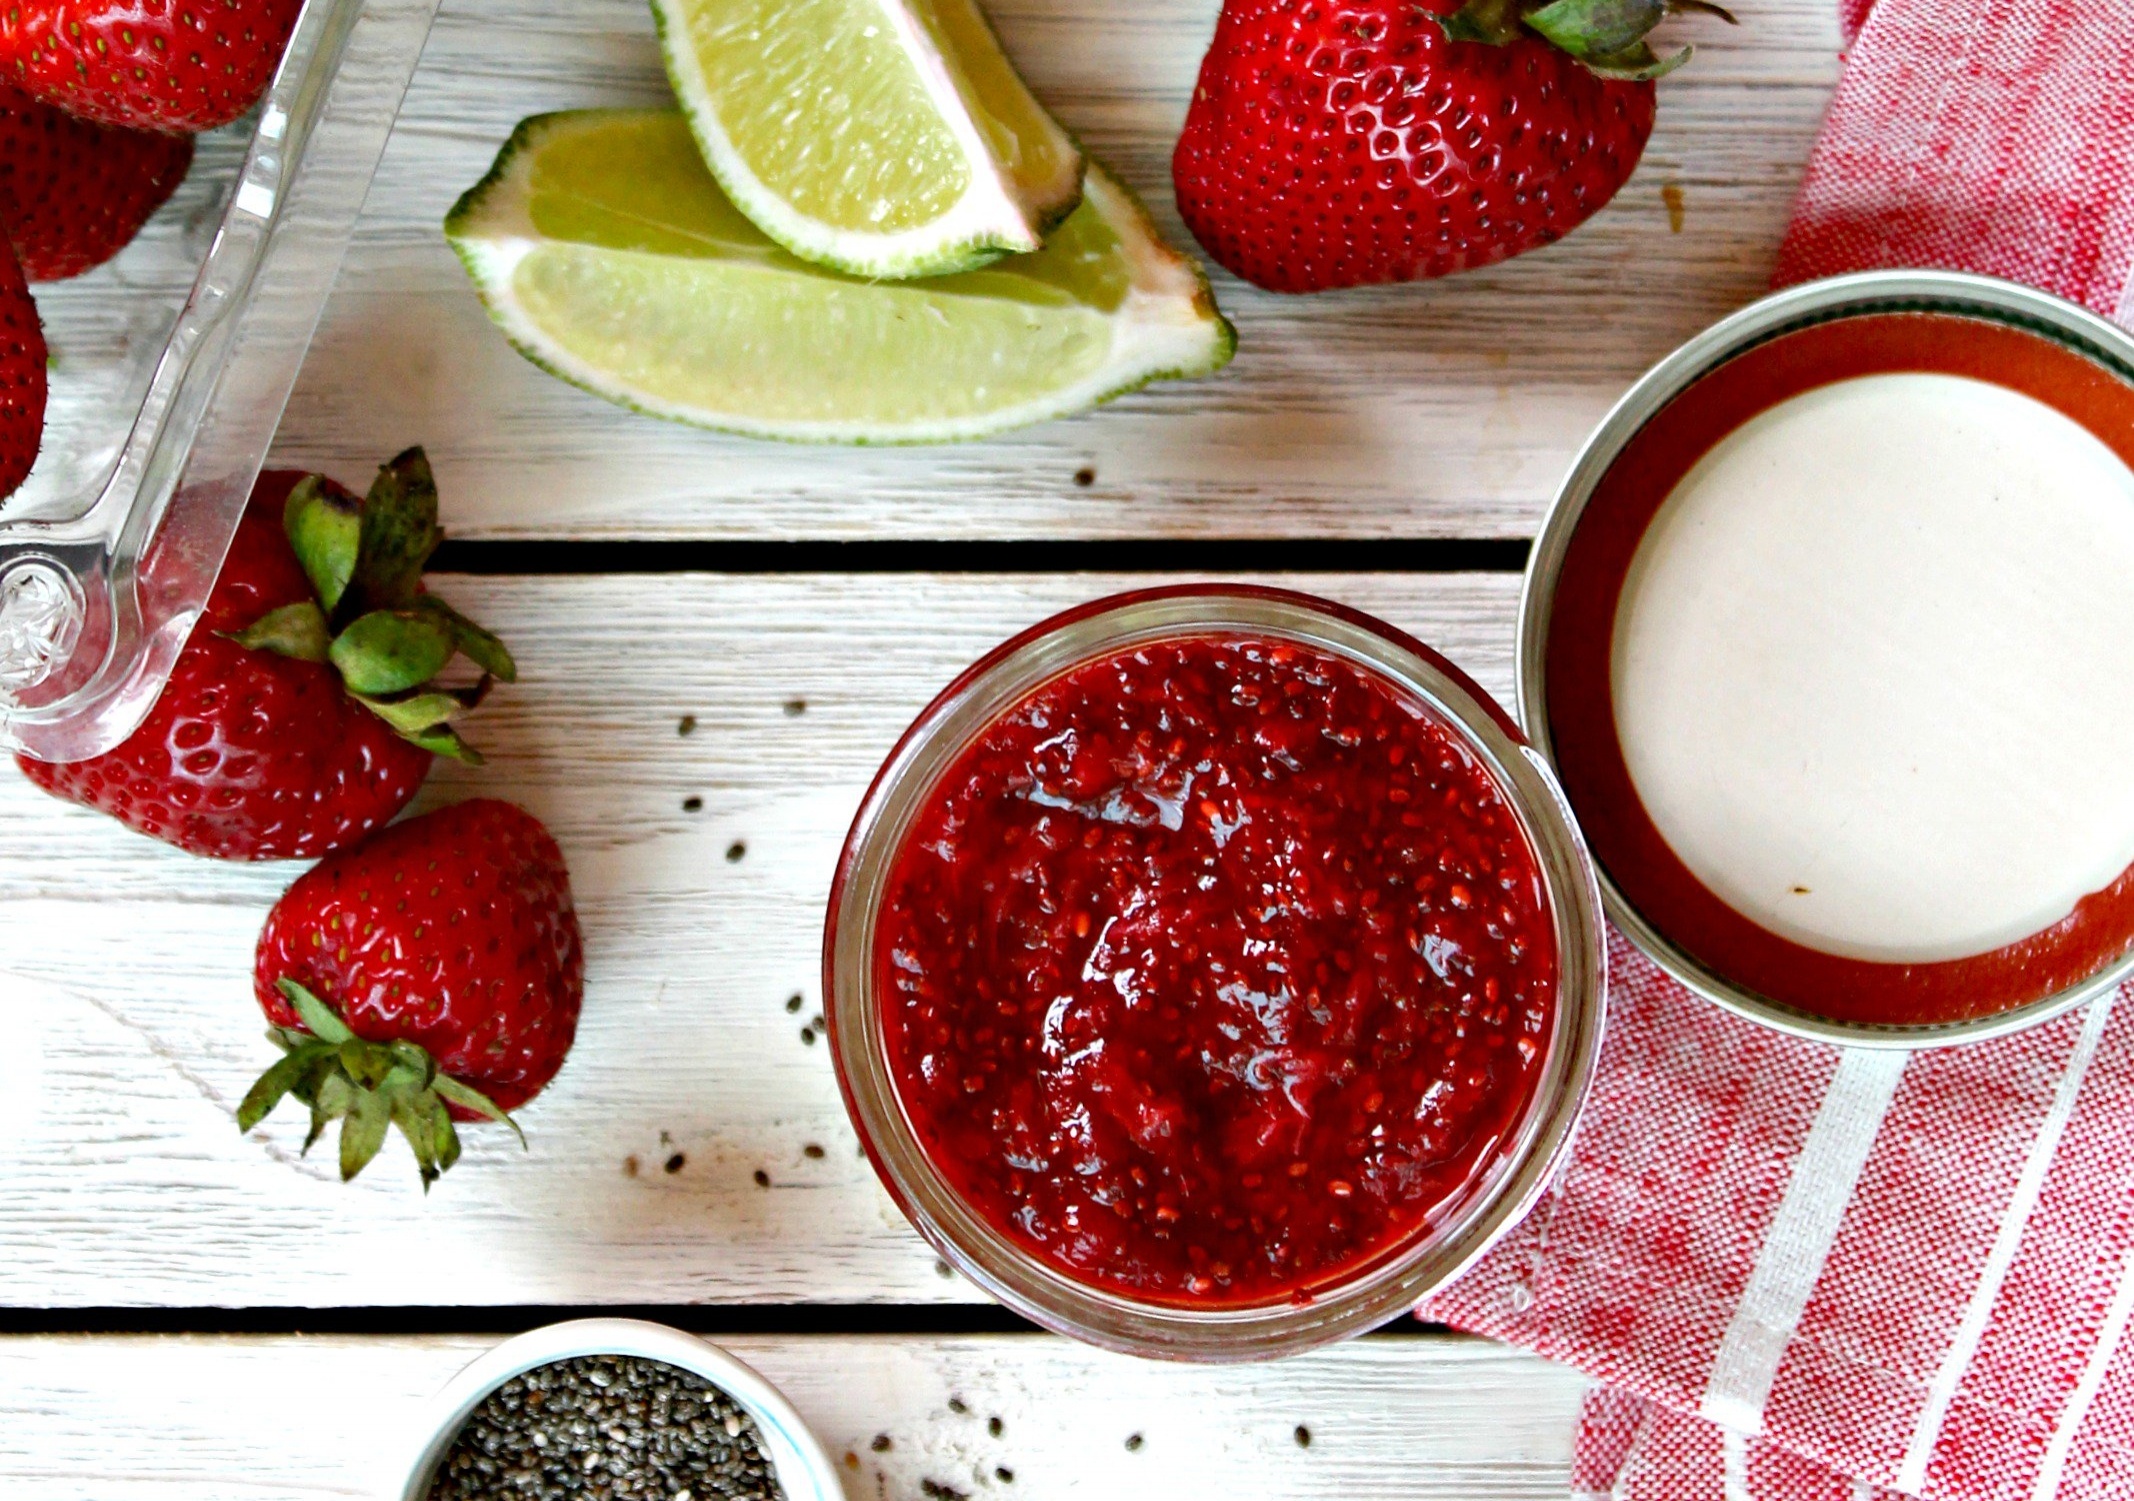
(1448, 409)
(1442, 409)
(126, 965)
(1422, 1419)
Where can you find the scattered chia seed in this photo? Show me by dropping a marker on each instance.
(939, 1492)
(793, 1003)
(677, 1162)
(812, 1151)
(956, 1405)
(763, 1179)
(735, 851)
(1003, 1473)
(1304, 1437)
(1133, 1442)
(807, 1035)
(692, 805)
(687, 725)
(796, 707)
(881, 1443)
(607, 1428)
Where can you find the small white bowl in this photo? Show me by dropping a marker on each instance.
(797, 1459)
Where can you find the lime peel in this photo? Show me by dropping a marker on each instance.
(610, 258)
(885, 138)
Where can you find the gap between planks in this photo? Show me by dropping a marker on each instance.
(1445, 1418)
(125, 974)
(1449, 409)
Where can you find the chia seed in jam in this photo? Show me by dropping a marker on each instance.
(1213, 968)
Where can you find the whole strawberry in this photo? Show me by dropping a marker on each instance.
(1336, 142)
(303, 712)
(434, 971)
(22, 375)
(181, 66)
(73, 194)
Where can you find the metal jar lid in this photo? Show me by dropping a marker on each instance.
(1839, 297)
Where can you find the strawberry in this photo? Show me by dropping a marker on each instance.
(22, 375)
(73, 194)
(1336, 142)
(180, 66)
(302, 713)
(434, 971)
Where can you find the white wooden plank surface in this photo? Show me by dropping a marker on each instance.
(1444, 409)
(1424, 1419)
(124, 967)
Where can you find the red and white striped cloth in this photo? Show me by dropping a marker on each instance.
(1983, 135)
(1795, 1266)
(1800, 1271)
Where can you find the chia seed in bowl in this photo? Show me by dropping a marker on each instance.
(612, 1410)
(607, 1428)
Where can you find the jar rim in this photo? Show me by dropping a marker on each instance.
(1379, 1287)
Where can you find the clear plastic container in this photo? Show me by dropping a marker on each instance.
(171, 366)
(1365, 1295)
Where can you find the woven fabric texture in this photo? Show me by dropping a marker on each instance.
(1800, 1271)
(1821, 1266)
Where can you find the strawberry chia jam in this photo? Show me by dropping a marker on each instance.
(1212, 968)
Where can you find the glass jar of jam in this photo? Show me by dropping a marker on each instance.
(1213, 972)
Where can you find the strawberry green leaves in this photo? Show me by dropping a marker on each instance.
(325, 526)
(1495, 22)
(367, 1087)
(1610, 37)
(391, 651)
(297, 630)
(400, 531)
(484, 649)
(387, 638)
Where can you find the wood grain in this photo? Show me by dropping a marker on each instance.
(1423, 1418)
(1447, 409)
(125, 965)
(1440, 410)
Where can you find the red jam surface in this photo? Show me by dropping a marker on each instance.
(1213, 969)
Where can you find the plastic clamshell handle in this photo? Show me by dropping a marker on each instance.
(99, 591)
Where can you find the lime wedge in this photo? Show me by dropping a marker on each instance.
(609, 257)
(887, 138)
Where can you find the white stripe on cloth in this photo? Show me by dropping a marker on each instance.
(1912, 1473)
(1798, 1241)
(2093, 1374)
(1737, 1464)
